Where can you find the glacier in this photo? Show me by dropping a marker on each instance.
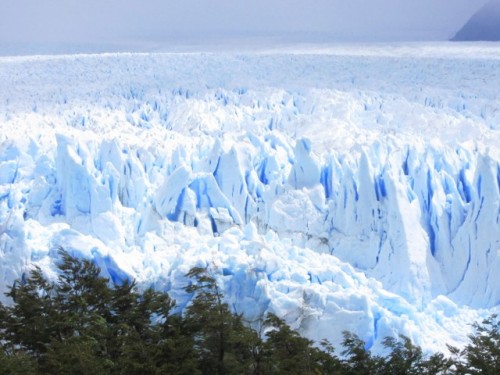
(345, 187)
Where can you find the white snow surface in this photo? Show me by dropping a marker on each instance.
(342, 187)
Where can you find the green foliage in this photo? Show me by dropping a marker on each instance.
(405, 358)
(17, 364)
(223, 343)
(286, 352)
(83, 324)
(177, 349)
(482, 354)
(437, 363)
(326, 360)
(78, 355)
(30, 324)
(358, 359)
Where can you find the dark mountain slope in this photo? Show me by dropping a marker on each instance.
(483, 25)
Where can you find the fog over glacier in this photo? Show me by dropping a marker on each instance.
(342, 187)
(134, 23)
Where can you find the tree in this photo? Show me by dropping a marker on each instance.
(286, 351)
(407, 358)
(223, 343)
(358, 360)
(326, 361)
(77, 355)
(482, 354)
(17, 364)
(137, 329)
(437, 363)
(55, 323)
(404, 358)
(84, 324)
(29, 325)
(176, 350)
(81, 300)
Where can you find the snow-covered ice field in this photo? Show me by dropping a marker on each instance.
(342, 187)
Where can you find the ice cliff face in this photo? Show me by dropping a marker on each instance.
(341, 189)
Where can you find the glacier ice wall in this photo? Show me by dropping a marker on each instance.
(337, 190)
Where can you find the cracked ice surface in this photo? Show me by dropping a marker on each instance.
(341, 188)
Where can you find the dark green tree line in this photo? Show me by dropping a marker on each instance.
(83, 324)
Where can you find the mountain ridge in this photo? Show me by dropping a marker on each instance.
(484, 25)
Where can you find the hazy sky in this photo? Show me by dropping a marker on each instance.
(47, 21)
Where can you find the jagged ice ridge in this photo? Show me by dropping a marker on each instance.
(341, 188)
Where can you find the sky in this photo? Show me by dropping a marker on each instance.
(101, 21)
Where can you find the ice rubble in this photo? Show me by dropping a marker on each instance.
(339, 190)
